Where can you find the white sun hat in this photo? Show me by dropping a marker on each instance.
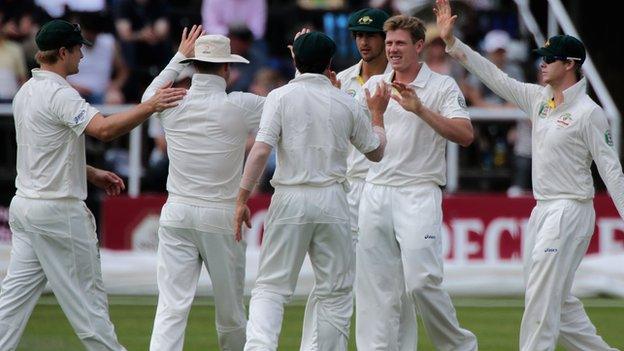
(214, 48)
(496, 39)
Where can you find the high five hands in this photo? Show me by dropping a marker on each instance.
(445, 21)
(407, 98)
(187, 42)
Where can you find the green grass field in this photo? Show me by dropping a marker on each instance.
(494, 321)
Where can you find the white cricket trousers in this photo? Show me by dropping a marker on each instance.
(408, 327)
(557, 237)
(313, 220)
(188, 237)
(55, 241)
(400, 249)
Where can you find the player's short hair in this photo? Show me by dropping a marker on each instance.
(50, 57)
(411, 24)
(578, 71)
(208, 67)
(318, 66)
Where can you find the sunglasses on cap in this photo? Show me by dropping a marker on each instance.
(550, 59)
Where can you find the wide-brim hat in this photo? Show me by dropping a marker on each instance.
(214, 48)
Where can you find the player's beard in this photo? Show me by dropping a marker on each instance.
(373, 56)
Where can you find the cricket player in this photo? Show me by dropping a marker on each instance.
(54, 237)
(569, 132)
(206, 135)
(400, 245)
(366, 26)
(311, 123)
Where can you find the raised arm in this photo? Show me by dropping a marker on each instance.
(518, 93)
(174, 67)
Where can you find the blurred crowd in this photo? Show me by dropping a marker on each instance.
(134, 39)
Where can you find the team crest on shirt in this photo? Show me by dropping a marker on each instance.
(608, 137)
(564, 120)
(461, 101)
(81, 116)
(351, 92)
(543, 110)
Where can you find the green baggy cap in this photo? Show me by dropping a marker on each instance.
(58, 33)
(313, 47)
(564, 46)
(367, 20)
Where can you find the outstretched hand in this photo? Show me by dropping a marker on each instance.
(445, 20)
(378, 102)
(407, 98)
(187, 42)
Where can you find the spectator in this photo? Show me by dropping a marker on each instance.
(12, 67)
(219, 15)
(265, 80)
(100, 61)
(520, 138)
(241, 42)
(436, 57)
(491, 138)
(18, 19)
(59, 8)
(495, 46)
(143, 28)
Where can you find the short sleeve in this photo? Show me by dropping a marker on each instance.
(453, 103)
(270, 122)
(71, 109)
(251, 105)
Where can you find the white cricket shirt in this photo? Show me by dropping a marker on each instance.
(351, 82)
(565, 138)
(206, 135)
(50, 118)
(311, 123)
(415, 152)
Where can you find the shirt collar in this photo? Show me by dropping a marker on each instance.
(38, 73)
(202, 81)
(311, 77)
(421, 78)
(357, 70)
(573, 92)
(570, 94)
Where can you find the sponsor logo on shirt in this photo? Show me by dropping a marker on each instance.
(81, 117)
(564, 120)
(550, 250)
(430, 237)
(461, 101)
(351, 92)
(608, 137)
